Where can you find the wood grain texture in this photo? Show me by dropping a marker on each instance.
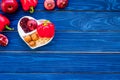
(87, 5)
(83, 5)
(59, 76)
(79, 21)
(115, 4)
(85, 26)
(83, 31)
(25, 62)
(67, 41)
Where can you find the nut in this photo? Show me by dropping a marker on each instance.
(27, 38)
(34, 37)
(32, 43)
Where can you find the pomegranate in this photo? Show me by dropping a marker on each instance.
(3, 40)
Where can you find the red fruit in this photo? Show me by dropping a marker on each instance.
(62, 3)
(23, 22)
(32, 24)
(4, 23)
(46, 29)
(9, 6)
(29, 5)
(3, 40)
(49, 4)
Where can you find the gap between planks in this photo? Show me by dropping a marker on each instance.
(76, 11)
(61, 73)
(79, 11)
(58, 52)
(75, 31)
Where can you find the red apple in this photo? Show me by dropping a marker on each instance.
(31, 24)
(46, 29)
(9, 6)
(62, 3)
(49, 4)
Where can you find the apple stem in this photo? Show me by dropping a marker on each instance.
(8, 28)
(31, 9)
(46, 22)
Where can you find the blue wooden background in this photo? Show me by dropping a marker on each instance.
(86, 45)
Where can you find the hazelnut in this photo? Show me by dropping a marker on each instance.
(27, 38)
(34, 37)
(32, 43)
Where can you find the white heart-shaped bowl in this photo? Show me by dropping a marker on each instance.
(41, 41)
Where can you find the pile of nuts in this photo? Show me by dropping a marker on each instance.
(34, 40)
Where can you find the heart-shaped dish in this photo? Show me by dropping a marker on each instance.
(31, 38)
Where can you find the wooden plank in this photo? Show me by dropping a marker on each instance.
(115, 4)
(75, 21)
(28, 62)
(59, 76)
(87, 5)
(65, 41)
(79, 5)
(82, 5)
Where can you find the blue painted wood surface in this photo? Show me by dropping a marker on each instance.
(46, 62)
(86, 44)
(59, 77)
(71, 41)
